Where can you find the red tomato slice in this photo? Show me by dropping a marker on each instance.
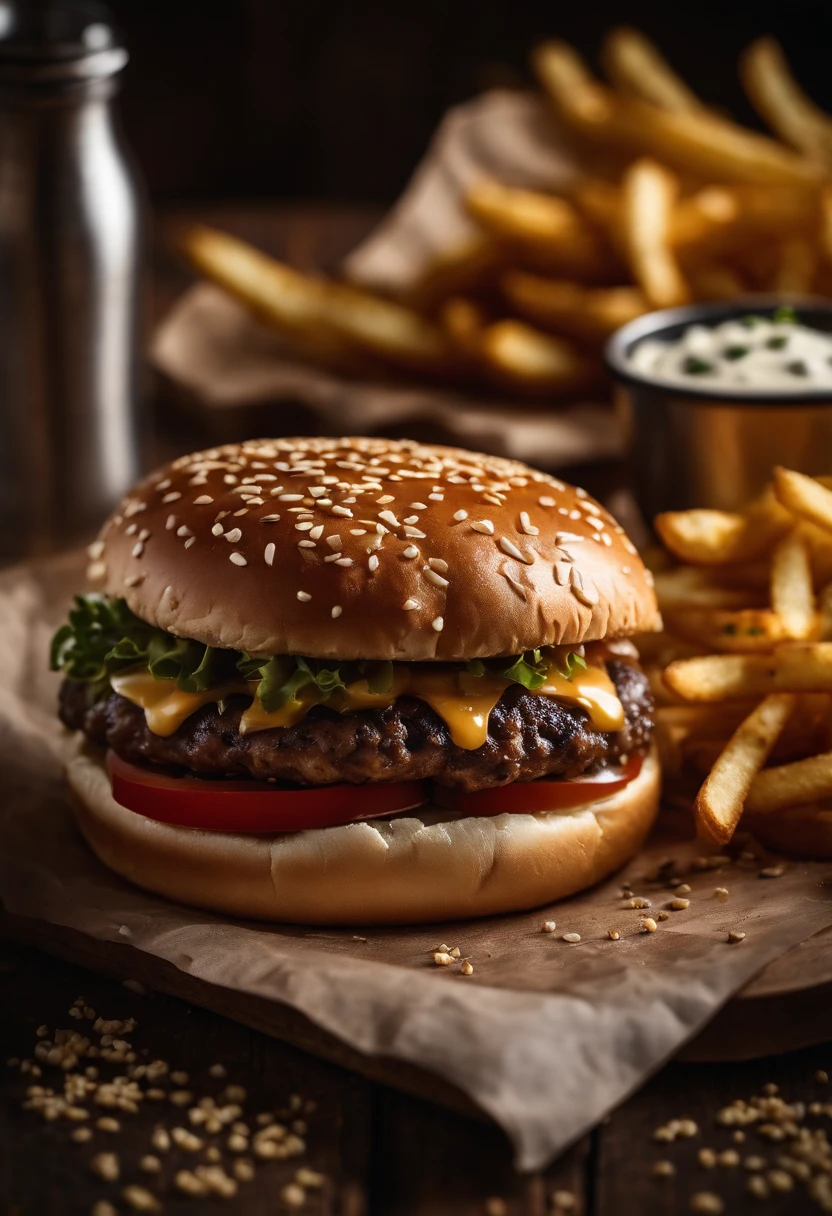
(545, 794)
(254, 806)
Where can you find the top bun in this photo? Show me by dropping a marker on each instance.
(370, 549)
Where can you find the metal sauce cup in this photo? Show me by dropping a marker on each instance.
(700, 447)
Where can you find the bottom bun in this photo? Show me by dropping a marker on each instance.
(428, 866)
(798, 831)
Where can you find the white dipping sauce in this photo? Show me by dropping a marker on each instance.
(756, 353)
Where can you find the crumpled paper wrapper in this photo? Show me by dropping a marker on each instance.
(212, 347)
(545, 1037)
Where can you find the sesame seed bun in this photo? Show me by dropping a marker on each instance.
(427, 866)
(370, 549)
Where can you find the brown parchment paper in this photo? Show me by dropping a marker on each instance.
(545, 1037)
(214, 349)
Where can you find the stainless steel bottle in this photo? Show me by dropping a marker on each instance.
(70, 278)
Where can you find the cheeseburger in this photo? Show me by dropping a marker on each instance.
(359, 681)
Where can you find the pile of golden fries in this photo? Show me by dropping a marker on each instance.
(743, 670)
(677, 203)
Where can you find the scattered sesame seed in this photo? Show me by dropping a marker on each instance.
(372, 564)
(613, 935)
(345, 511)
(442, 958)
(572, 938)
(512, 551)
(138, 549)
(306, 544)
(527, 526)
(268, 554)
(438, 623)
(663, 1169)
(706, 1203)
(721, 892)
(409, 605)
(419, 506)
(467, 968)
(237, 559)
(203, 500)
(411, 519)
(483, 525)
(336, 612)
(304, 597)
(290, 498)
(548, 926)
(648, 925)
(343, 561)
(410, 551)
(233, 535)
(218, 530)
(773, 872)
(172, 497)
(433, 577)
(735, 936)
(679, 905)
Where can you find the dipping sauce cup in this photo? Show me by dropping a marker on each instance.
(701, 446)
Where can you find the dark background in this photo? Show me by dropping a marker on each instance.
(313, 99)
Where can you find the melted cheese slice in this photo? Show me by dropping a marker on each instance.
(463, 702)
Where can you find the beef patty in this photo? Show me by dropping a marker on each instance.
(528, 736)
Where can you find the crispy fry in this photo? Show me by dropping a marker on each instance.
(792, 595)
(719, 587)
(591, 314)
(522, 359)
(317, 313)
(703, 146)
(547, 230)
(462, 268)
(706, 537)
(637, 67)
(649, 195)
(719, 803)
(464, 321)
(779, 99)
(718, 221)
(794, 667)
(743, 631)
(804, 497)
(804, 781)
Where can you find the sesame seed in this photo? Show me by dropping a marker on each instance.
(467, 968)
(613, 935)
(410, 551)
(372, 564)
(268, 553)
(546, 501)
(409, 605)
(412, 519)
(162, 485)
(269, 519)
(419, 506)
(290, 498)
(460, 515)
(345, 511)
(237, 559)
(433, 577)
(567, 538)
(414, 533)
(138, 549)
(648, 925)
(190, 541)
(306, 544)
(438, 623)
(679, 905)
(336, 612)
(133, 580)
(304, 597)
(389, 518)
(172, 497)
(548, 926)
(303, 526)
(736, 936)
(343, 561)
(170, 523)
(437, 563)
(317, 491)
(233, 535)
(334, 541)
(572, 938)
(513, 551)
(527, 526)
(436, 497)
(183, 531)
(358, 531)
(483, 525)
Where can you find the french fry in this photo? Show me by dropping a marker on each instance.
(825, 607)
(637, 68)
(522, 359)
(586, 313)
(780, 100)
(544, 229)
(719, 587)
(792, 594)
(719, 803)
(464, 321)
(316, 312)
(722, 537)
(702, 146)
(649, 193)
(718, 221)
(794, 784)
(464, 267)
(794, 667)
(804, 497)
(742, 631)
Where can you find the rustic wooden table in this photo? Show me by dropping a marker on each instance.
(377, 1151)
